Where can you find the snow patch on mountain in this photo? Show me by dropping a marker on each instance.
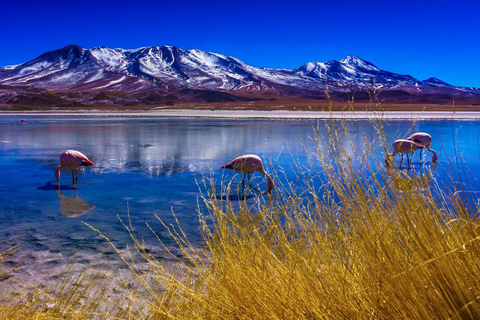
(110, 59)
(356, 62)
(10, 67)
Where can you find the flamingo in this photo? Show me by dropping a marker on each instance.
(72, 160)
(249, 164)
(406, 146)
(422, 138)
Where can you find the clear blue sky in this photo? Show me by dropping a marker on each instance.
(420, 38)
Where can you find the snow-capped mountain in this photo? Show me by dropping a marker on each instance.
(354, 71)
(167, 74)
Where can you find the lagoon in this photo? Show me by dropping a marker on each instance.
(150, 167)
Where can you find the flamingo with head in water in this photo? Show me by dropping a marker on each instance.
(249, 164)
(405, 146)
(73, 160)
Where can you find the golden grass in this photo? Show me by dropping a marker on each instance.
(360, 244)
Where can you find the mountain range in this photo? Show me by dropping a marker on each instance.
(166, 75)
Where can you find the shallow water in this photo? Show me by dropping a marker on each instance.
(149, 167)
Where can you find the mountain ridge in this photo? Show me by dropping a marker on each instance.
(169, 74)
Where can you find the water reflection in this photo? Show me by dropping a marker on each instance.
(152, 167)
(160, 147)
(235, 197)
(72, 206)
(415, 180)
(412, 166)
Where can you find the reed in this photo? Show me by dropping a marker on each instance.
(353, 240)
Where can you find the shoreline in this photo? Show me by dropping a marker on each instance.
(254, 114)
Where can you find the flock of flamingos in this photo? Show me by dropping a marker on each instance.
(249, 164)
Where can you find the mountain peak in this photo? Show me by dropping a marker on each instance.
(356, 61)
(436, 81)
(72, 48)
(71, 51)
(352, 59)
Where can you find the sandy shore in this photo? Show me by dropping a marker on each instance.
(251, 114)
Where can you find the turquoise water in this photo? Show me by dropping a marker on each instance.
(149, 167)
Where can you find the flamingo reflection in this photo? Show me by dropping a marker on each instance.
(412, 181)
(72, 206)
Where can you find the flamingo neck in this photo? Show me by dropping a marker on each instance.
(434, 157)
(270, 183)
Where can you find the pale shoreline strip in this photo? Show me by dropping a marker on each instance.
(253, 114)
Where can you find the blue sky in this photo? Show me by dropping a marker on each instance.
(420, 38)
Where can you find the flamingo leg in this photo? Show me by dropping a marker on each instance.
(243, 182)
(251, 185)
(401, 159)
(73, 176)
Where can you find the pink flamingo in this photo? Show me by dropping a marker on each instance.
(72, 160)
(406, 146)
(249, 164)
(421, 138)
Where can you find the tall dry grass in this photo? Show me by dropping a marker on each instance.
(356, 242)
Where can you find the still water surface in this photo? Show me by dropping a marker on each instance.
(149, 167)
